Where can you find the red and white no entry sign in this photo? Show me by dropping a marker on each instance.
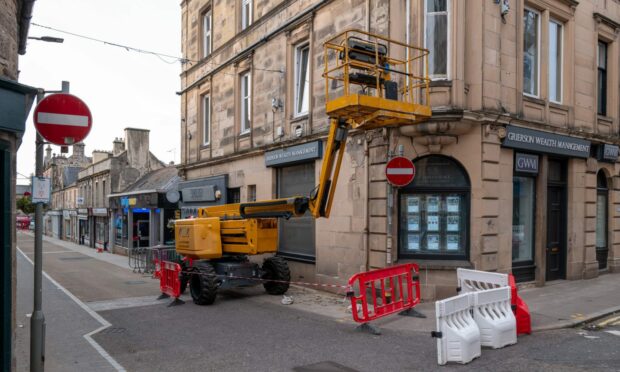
(399, 171)
(62, 119)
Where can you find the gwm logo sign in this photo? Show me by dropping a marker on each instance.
(526, 163)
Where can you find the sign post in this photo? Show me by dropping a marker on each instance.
(61, 119)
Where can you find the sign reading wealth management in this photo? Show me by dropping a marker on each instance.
(294, 154)
(534, 140)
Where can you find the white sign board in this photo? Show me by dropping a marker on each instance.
(80, 200)
(41, 190)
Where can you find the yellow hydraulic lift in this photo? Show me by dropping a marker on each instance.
(366, 87)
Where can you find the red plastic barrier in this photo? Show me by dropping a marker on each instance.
(169, 280)
(520, 309)
(398, 286)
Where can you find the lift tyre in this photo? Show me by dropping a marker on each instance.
(203, 284)
(276, 268)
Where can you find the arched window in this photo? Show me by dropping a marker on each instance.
(602, 198)
(434, 211)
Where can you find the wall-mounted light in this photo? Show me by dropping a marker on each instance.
(276, 104)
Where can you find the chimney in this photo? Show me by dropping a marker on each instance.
(48, 154)
(99, 155)
(118, 146)
(78, 151)
(137, 146)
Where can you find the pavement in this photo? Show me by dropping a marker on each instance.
(109, 319)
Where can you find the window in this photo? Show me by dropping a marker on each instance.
(246, 13)
(602, 250)
(251, 193)
(206, 34)
(601, 105)
(523, 204)
(302, 80)
(434, 211)
(436, 37)
(555, 61)
(531, 55)
(206, 120)
(246, 102)
(233, 195)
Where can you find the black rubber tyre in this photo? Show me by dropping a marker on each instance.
(276, 268)
(203, 283)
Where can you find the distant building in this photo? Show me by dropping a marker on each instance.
(15, 104)
(110, 172)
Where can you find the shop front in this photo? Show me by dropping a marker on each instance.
(140, 219)
(101, 225)
(83, 227)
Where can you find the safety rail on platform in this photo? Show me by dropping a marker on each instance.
(143, 259)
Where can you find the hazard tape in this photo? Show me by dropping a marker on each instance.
(346, 287)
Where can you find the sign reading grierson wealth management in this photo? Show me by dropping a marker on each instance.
(294, 154)
(534, 140)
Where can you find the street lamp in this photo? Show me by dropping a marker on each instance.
(37, 320)
(49, 39)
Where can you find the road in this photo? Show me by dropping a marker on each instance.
(247, 330)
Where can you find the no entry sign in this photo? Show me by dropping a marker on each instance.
(399, 171)
(62, 119)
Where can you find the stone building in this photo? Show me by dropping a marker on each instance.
(60, 221)
(516, 171)
(109, 173)
(15, 103)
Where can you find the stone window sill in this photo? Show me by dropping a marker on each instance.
(440, 264)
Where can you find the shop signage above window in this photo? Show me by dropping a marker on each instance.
(550, 143)
(196, 194)
(100, 211)
(526, 163)
(608, 153)
(294, 154)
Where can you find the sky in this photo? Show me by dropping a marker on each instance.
(122, 88)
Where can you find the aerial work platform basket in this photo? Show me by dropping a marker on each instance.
(374, 81)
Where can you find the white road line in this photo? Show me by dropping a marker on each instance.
(613, 332)
(123, 303)
(104, 323)
(49, 252)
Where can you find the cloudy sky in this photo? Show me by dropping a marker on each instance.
(122, 88)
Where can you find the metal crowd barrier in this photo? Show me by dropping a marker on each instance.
(143, 259)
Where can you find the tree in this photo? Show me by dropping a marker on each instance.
(25, 205)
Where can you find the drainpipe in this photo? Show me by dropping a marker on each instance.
(367, 15)
(367, 139)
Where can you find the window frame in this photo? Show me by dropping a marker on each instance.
(245, 117)
(205, 102)
(207, 32)
(560, 75)
(298, 52)
(605, 71)
(538, 50)
(463, 191)
(246, 18)
(447, 12)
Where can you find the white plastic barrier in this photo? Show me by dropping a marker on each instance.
(458, 337)
(475, 280)
(492, 314)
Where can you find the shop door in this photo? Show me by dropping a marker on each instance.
(296, 238)
(556, 221)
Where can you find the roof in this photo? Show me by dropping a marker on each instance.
(161, 180)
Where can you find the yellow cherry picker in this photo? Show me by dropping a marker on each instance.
(370, 82)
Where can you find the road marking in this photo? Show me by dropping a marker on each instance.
(123, 303)
(613, 332)
(607, 322)
(104, 323)
(49, 252)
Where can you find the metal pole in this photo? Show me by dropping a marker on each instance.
(37, 320)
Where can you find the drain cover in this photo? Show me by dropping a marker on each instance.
(75, 258)
(327, 366)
